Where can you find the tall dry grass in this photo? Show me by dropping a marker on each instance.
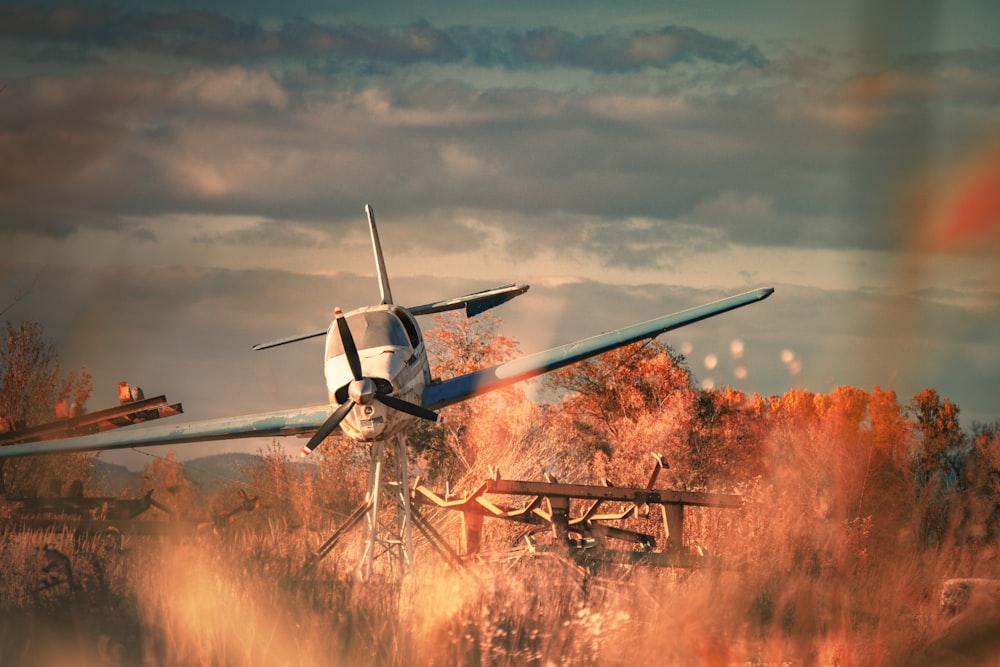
(249, 600)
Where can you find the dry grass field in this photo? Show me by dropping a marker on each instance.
(799, 591)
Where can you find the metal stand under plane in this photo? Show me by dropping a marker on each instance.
(385, 516)
(388, 522)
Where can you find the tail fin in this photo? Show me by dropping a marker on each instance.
(383, 276)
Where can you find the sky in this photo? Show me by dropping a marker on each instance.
(181, 180)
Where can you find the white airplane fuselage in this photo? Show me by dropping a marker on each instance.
(392, 354)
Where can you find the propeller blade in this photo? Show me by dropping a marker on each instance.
(347, 340)
(332, 422)
(407, 407)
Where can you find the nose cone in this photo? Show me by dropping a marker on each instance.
(362, 391)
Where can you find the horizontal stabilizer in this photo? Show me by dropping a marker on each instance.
(263, 425)
(475, 303)
(290, 339)
(457, 389)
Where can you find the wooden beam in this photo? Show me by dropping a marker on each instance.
(614, 493)
(92, 422)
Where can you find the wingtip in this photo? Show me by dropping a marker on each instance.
(764, 292)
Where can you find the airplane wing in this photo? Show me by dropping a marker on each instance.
(308, 420)
(484, 380)
(474, 304)
(261, 425)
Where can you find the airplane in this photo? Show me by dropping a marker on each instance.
(378, 376)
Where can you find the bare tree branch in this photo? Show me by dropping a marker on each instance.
(21, 292)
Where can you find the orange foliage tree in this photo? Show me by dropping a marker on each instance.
(981, 515)
(311, 493)
(938, 465)
(31, 383)
(624, 405)
(338, 481)
(841, 457)
(637, 397)
(168, 480)
(458, 345)
(726, 443)
(885, 493)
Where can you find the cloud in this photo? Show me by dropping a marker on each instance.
(978, 58)
(208, 36)
(84, 150)
(703, 139)
(612, 52)
(143, 234)
(95, 147)
(229, 89)
(266, 233)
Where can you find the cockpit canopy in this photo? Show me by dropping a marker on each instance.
(377, 327)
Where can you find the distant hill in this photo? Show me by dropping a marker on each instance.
(112, 479)
(209, 472)
(217, 470)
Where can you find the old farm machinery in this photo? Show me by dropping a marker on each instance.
(66, 507)
(133, 408)
(571, 519)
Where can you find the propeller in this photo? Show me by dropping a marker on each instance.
(332, 422)
(347, 340)
(361, 391)
(407, 407)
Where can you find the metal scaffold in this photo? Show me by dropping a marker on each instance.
(388, 530)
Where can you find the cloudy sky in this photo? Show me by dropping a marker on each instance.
(181, 180)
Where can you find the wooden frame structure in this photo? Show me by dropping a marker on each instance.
(585, 536)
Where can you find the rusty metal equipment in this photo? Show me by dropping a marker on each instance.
(111, 515)
(584, 535)
(133, 407)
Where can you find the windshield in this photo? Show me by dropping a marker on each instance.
(372, 328)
